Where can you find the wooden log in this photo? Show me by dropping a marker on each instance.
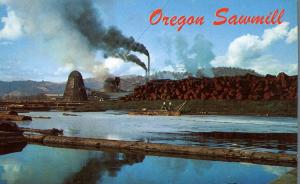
(166, 149)
(9, 141)
(13, 116)
(69, 114)
(155, 113)
(12, 147)
(250, 87)
(52, 131)
(41, 117)
(6, 126)
(242, 136)
(10, 136)
(4, 134)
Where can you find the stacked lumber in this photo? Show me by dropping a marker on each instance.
(248, 87)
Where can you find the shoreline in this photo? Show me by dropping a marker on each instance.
(283, 108)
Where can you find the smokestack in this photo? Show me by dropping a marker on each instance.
(148, 75)
(136, 60)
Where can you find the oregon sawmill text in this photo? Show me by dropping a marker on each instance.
(222, 17)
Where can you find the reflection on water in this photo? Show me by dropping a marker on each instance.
(16, 147)
(40, 164)
(95, 167)
(256, 144)
(120, 126)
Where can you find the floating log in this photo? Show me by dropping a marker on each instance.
(41, 117)
(156, 113)
(13, 116)
(52, 131)
(68, 114)
(166, 149)
(7, 126)
(28, 106)
(12, 148)
(11, 138)
(251, 136)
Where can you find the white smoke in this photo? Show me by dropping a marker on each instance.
(292, 35)
(190, 55)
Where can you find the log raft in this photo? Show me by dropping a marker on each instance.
(155, 113)
(194, 152)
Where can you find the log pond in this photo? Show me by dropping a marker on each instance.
(116, 125)
(64, 165)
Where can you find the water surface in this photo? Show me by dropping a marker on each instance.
(121, 126)
(41, 164)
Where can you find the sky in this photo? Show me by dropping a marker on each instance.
(36, 43)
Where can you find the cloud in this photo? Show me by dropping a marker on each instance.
(118, 67)
(292, 35)
(12, 28)
(248, 51)
(274, 34)
(268, 65)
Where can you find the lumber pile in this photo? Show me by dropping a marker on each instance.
(248, 87)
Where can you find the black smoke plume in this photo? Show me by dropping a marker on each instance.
(72, 31)
(136, 60)
(110, 40)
